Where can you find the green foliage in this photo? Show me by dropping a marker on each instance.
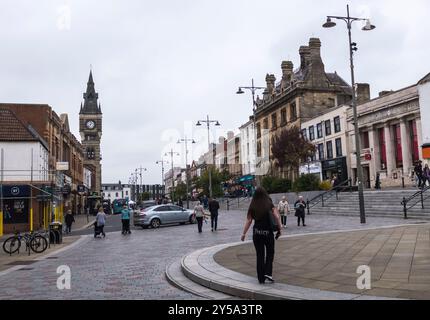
(181, 191)
(307, 182)
(145, 196)
(217, 177)
(276, 185)
(325, 185)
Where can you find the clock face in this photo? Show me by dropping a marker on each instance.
(90, 124)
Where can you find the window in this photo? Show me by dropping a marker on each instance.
(259, 149)
(320, 151)
(266, 123)
(311, 133)
(338, 143)
(304, 134)
(319, 130)
(274, 121)
(126, 192)
(328, 128)
(293, 112)
(258, 130)
(365, 140)
(398, 146)
(283, 116)
(329, 150)
(116, 194)
(414, 140)
(337, 124)
(382, 150)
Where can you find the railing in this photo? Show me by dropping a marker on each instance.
(416, 198)
(233, 202)
(329, 194)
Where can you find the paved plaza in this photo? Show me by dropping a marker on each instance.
(133, 267)
(399, 260)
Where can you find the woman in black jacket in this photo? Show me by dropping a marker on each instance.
(300, 206)
(263, 212)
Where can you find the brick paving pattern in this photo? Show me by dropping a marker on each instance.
(132, 267)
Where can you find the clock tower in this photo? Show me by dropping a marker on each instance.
(90, 128)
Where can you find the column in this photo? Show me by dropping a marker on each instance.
(374, 143)
(406, 146)
(373, 164)
(391, 161)
(420, 137)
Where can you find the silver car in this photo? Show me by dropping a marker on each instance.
(162, 214)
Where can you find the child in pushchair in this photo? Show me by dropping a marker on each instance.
(98, 230)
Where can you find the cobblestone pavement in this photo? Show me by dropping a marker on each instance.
(133, 266)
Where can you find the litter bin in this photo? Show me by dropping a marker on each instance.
(56, 232)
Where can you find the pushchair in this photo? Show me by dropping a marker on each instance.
(98, 230)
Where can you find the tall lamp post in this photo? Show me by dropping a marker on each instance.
(140, 169)
(185, 141)
(208, 123)
(253, 90)
(162, 162)
(172, 153)
(353, 47)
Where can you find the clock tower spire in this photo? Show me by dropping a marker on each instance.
(90, 128)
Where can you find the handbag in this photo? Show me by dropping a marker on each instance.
(273, 221)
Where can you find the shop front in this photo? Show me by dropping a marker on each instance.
(336, 167)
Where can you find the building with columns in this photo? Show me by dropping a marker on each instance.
(390, 136)
(424, 93)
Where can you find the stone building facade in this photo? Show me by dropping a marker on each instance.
(390, 137)
(300, 95)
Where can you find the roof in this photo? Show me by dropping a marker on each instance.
(13, 129)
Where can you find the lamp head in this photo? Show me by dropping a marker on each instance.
(198, 123)
(193, 141)
(217, 123)
(368, 26)
(329, 23)
(240, 91)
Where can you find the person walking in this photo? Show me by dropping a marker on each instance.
(205, 202)
(125, 219)
(426, 175)
(300, 206)
(69, 219)
(100, 223)
(418, 169)
(263, 212)
(199, 214)
(213, 209)
(284, 210)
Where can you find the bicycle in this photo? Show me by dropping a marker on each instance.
(33, 240)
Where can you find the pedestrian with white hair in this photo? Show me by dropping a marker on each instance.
(284, 210)
(300, 206)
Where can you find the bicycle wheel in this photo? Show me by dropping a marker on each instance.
(11, 245)
(38, 244)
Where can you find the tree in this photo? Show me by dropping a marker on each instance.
(290, 148)
(181, 191)
(217, 178)
(145, 196)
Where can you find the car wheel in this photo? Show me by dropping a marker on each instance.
(155, 223)
(144, 227)
(181, 223)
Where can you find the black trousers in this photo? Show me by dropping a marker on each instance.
(199, 223)
(265, 248)
(214, 220)
(68, 228)
(284, 219)
(302, 217)
(125, 225)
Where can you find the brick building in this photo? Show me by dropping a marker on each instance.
(62, 146)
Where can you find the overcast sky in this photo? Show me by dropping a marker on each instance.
(161, 65)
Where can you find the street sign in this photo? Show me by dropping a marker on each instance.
(62, 166)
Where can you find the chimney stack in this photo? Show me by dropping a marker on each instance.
(270, 84)
(287, 73)
(362, 93)
(305, 54)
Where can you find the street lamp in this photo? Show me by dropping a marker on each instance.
(171, 153)
(140, 169)
(208, 122)
(185, 140)
(353, 47)
(162, 162)
(253, 90)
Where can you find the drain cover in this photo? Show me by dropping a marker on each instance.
(25, 269)
(52, 258)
